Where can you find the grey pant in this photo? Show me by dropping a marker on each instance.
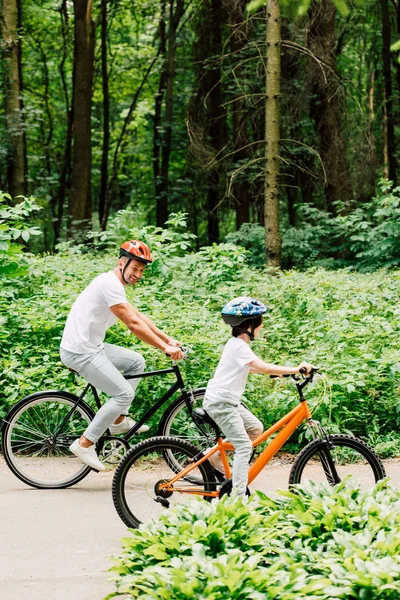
(239, 426)
(105, 370)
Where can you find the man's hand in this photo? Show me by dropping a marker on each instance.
(305, 365)
(173, 352)
(172, 342)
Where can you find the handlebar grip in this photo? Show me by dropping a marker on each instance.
(303, 371)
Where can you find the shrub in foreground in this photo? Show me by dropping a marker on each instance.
(321, 542)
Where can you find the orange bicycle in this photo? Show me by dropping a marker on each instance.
(160, 471)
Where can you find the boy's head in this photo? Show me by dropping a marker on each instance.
(244, 315)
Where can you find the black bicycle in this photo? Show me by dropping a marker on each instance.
(39, 429)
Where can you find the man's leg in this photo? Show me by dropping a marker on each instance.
(129, 363)
(103, 372)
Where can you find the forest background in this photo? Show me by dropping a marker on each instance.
(230, 140)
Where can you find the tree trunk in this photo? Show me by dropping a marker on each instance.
(11, 53)
(106, 113)
(80, 204)
(64, 182)
(163, 131)
(241, 188)
(327, 105)
(388, 120)
(272, 135)
(161, 202)
(207, 116)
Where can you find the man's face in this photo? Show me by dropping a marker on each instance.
(133, 271)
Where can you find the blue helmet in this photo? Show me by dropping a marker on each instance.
(242, 309)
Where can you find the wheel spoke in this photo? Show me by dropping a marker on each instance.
(32, 450)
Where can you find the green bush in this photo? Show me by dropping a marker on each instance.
(14, 233)
(317, 543)
(344, 322)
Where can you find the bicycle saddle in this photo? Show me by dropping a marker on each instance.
(201, 416)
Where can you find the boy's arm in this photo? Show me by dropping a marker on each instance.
(259, 366)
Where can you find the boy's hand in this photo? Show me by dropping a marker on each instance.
(305, 365)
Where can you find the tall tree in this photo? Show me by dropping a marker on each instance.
(80, 204)
(272, 134)
(10, 23)
(106, 112)
(327, 105)
(388, 120)
(207, 115)
(241, 189)
(163, 128)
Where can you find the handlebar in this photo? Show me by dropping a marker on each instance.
(303, 372)
(301, 383)
(185, 350)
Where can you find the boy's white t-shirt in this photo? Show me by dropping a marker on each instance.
(229, 381)
(90, 315)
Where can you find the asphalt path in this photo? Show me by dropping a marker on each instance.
(58, 544)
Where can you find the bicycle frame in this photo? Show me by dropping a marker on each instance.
(178, 385)
(286, 426)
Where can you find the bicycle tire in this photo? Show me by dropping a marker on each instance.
(135, 481)
(177, 422)
(30, 448)
(351, 456)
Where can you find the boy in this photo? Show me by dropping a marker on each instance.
(224, 391)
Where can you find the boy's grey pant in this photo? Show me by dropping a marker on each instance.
(103, 370)
(239, 426)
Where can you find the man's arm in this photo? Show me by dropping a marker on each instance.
(166, 338)
(133, 320)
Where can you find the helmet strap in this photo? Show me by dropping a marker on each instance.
(251, 332)
(123, 271)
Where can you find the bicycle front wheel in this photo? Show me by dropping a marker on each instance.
(36, 444)
(331, 461)
(138, 488)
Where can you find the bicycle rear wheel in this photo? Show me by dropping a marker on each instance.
(177, 422)
(137, 487)
(33, 446)
(330, 462)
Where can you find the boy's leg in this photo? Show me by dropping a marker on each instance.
(231, 423)
(253, 426)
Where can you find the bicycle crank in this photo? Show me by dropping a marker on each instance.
(112, 449)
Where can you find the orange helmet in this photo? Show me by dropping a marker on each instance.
(136, 250)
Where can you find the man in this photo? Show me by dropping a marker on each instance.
(83, 349)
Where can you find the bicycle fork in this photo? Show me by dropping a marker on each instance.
(327, 461)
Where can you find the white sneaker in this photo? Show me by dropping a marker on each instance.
(216, 461)
(125, 426)
(87, 455)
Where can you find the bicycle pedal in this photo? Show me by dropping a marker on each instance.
(162, 501)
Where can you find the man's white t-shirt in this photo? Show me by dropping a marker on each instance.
(229, 381)
(90, 315)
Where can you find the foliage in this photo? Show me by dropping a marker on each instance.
(251, 237)
(15, 232)
(374, 230)
(366, 238)
(318, 542)
(345, 323)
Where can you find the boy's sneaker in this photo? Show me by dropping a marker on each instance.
(216, 461)
(126, 424)
(87, 455)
